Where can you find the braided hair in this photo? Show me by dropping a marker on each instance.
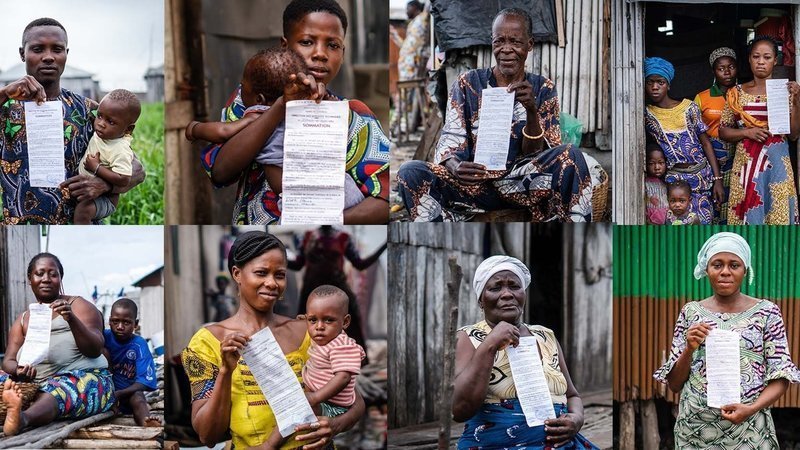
(42, 255)
(251, 245)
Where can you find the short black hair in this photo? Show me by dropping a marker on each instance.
(251, 245)
(521, 14)
(42, 22)
(298, 9)
(42, 255)
(417, 4)
(327, 290)
(268, 71)
(762, 38)
(651, 147)
(129, 100)
(126, 303)
(679, 184)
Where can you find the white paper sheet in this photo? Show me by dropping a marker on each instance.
(278, 382)
(37, 338)
(722, 368)
(314, 154)
(778, 106)
(44, 126)
(528, 374)
(494, 131)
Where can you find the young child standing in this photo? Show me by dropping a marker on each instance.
(678, 128)
(130, 362)
(680, 195)
(334, 359)
(654, 187)
(109, 155)
(263, 80)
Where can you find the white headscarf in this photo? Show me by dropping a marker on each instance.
(498, 263)
(719, 243)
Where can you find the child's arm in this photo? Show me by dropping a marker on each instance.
(92, 164)
(123, 394)
(217, 132)
(274, 176)
(331, 388)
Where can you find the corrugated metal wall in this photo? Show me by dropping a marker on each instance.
(654, 280)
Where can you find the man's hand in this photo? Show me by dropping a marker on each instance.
(26, 88)
(85, 187)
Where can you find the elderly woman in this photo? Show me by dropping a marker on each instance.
(485, 395)
(74, 380)
(766, 366)
(225, 395)
(762, 190)
(712, 103)
(550, 180)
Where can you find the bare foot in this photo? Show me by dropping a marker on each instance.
(152, 422)
(12, 397)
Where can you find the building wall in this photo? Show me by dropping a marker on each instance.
(654, 268)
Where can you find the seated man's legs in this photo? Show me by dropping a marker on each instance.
(431, 194)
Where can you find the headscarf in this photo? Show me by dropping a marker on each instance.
(719, 53)
(719, 243)
(659, 66)
(498, 263)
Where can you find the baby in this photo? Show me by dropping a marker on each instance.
(680, 195)
(131, 364)
(334, 359)
(109, 155)
(263, 80)
(654, 186)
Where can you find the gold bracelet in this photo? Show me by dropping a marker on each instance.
(538, 136)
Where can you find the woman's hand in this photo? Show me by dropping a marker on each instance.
(467, 172)
(63, 308)
(794, 91)
(737, 412)
(502, 335)
(25, 373)
(561, 430)
(303, 87)
(696, 335)
(718, 192)
(320, 433)
(230, 347)
(759, 135)
(523, 93)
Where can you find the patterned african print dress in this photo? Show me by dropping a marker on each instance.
(764, 357)
(252, 419)
(367, 163)
(711, 103)
(500, 422)
(762, 180)
(677, 131)
(553, 184)
(25, 204)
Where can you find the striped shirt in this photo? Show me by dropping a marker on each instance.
(342, 354)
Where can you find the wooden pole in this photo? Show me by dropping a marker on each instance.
(449, 341)
(627, 426)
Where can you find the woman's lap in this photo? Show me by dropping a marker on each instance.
(81, 393)
(554, 184)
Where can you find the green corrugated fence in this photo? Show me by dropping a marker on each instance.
(658, 261)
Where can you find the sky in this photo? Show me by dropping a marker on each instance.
(111, 257)
(117, 41)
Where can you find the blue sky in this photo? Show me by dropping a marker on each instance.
(117, 41)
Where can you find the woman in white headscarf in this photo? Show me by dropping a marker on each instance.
(485, 396)
(766, 366)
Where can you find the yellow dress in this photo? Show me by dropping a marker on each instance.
(252, 419)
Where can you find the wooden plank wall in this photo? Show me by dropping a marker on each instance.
(18, 244)
(627, 115)
(417, 263)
